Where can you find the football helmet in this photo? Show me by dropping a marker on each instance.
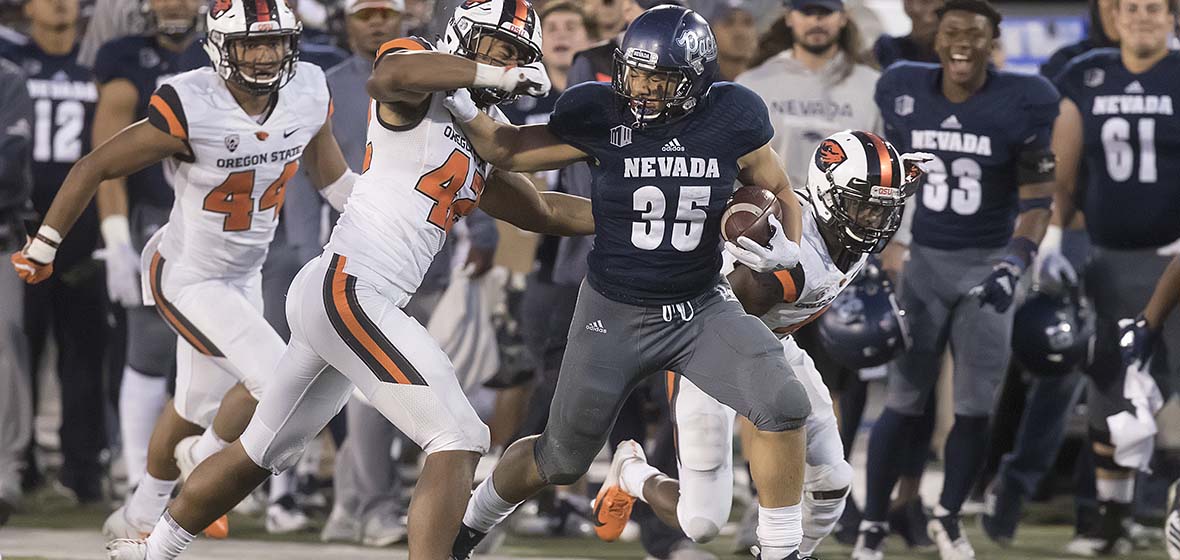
(230, 22)
(858, 184)
(512, 21)
(864, 327)
(1054, 330)
(670, 50)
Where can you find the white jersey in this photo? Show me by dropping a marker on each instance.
(416, 182)
(810, 287)
(230, 192)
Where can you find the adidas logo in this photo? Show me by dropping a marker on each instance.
(673, 145)
(951, 122)
(597, 326)
(1134, 87)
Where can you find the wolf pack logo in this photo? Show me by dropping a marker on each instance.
(699, 48)
(231, 142)
(829, 155)
(220, 7)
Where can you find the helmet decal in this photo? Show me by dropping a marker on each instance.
(829, 155)
(698, 48)
(220, 7)
(473, 3)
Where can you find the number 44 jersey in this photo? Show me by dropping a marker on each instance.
(984, 148)
(1131, 135)
(230, 187)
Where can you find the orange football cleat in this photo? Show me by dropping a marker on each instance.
(612, 506)
(218, 529)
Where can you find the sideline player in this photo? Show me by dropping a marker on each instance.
(665, 144)
(232, 135)
(983, 208)
(853, 207)
(1118, 123)
(420, 175)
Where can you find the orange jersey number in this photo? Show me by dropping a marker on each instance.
(232, 197)
(442, 184)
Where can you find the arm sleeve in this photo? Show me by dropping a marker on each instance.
(166, 113)
(16, 117)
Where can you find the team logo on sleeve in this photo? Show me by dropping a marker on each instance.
(829, 155)
(903, 105)
(698, 48)
(231, 142)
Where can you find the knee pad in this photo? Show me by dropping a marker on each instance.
(262, 446)
(475, 437)
(828, 482)
(784, 409)
(703, 440)
(560, 467)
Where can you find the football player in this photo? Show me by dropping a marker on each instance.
(1118, 124)
(348, 331)
(665, 145)
(231, 136)
(982, 210)
(127, 71)
(853, 207)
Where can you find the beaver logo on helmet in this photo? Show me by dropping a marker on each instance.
(220, 7)
(829, 155)
(473, 3)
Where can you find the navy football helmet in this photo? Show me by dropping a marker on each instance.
(666, 63)
(1054, 331)
(864, 327)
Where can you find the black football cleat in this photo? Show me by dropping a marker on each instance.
(465, 542)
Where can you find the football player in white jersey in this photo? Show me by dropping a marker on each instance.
(420, 175)
(855, 204)
(231, 135)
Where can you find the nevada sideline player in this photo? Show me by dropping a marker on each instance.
(853, 207)
(419, 176)
(233, 135)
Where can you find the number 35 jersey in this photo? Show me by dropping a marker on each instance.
(984, 148)
(230, 188)
(1131, 152)
(416, 181)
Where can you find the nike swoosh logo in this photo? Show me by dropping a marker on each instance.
(597, 509)
(287, 133)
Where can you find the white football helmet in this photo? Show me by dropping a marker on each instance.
(230, 21)
(858, 184)
(512, 21)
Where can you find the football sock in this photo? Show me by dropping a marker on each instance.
(780, 530)
(168, 539)
(966, 453)
(141, 398)
(486, 508)
(890, 440)
(913, 463)
(149, 500)
(208, 445)
(282, 484)
(634, 474)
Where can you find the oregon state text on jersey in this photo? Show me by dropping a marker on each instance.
(417, 180)
(810, 287)
(230, 191)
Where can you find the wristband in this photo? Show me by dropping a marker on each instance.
(116, 231)
(487, 76)
(43, 247)
(338, 191)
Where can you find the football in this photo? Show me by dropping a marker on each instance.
(747, 212)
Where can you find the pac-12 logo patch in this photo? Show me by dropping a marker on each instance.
(231, 142)
(829, 155)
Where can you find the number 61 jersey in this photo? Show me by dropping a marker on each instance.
(1131, 134)
(984, 148)
(230, 191)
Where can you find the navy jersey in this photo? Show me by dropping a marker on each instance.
(64, 97)
(971, 195)
(1131, 148)
(142, 61)
(658, 192)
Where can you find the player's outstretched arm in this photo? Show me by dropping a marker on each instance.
(327, 169)
(404, 71)
(510, 147)
(764, 168)
(513, 198)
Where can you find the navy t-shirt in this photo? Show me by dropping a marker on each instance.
(971, 196)
(659, 191)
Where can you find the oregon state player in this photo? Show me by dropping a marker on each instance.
(232, 135)
(853, 206)
(420, 175)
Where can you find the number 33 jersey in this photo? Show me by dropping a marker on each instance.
(416, 181)
(230, 187)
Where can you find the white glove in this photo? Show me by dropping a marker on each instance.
(122, 262)
(782, 253)
(1170, 250)
(1050, 265)
(530, 79)
(461, 106)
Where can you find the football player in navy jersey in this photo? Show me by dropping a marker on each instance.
(665, 145)
(982, 210)
(127, 71)
(73, 303)
(1118, 123)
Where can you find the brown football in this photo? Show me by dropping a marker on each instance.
(747, 212)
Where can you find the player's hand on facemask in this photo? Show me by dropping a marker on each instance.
(781, 254)
(999, 288)
(461, 106)
(1136, 337)
(530, 79)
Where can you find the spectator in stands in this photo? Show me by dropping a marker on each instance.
(71, 305)
(735, 26)
(112, 19)
(919, 44)
(16, 184)
(609, 16)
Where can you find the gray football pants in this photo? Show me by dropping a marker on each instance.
(729, 355)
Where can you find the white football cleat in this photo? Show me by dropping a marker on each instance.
(383, 530)
(947, 533)
(126, 549)
(341, 527)
(284, 517)
(117, 526)
(184, 456)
